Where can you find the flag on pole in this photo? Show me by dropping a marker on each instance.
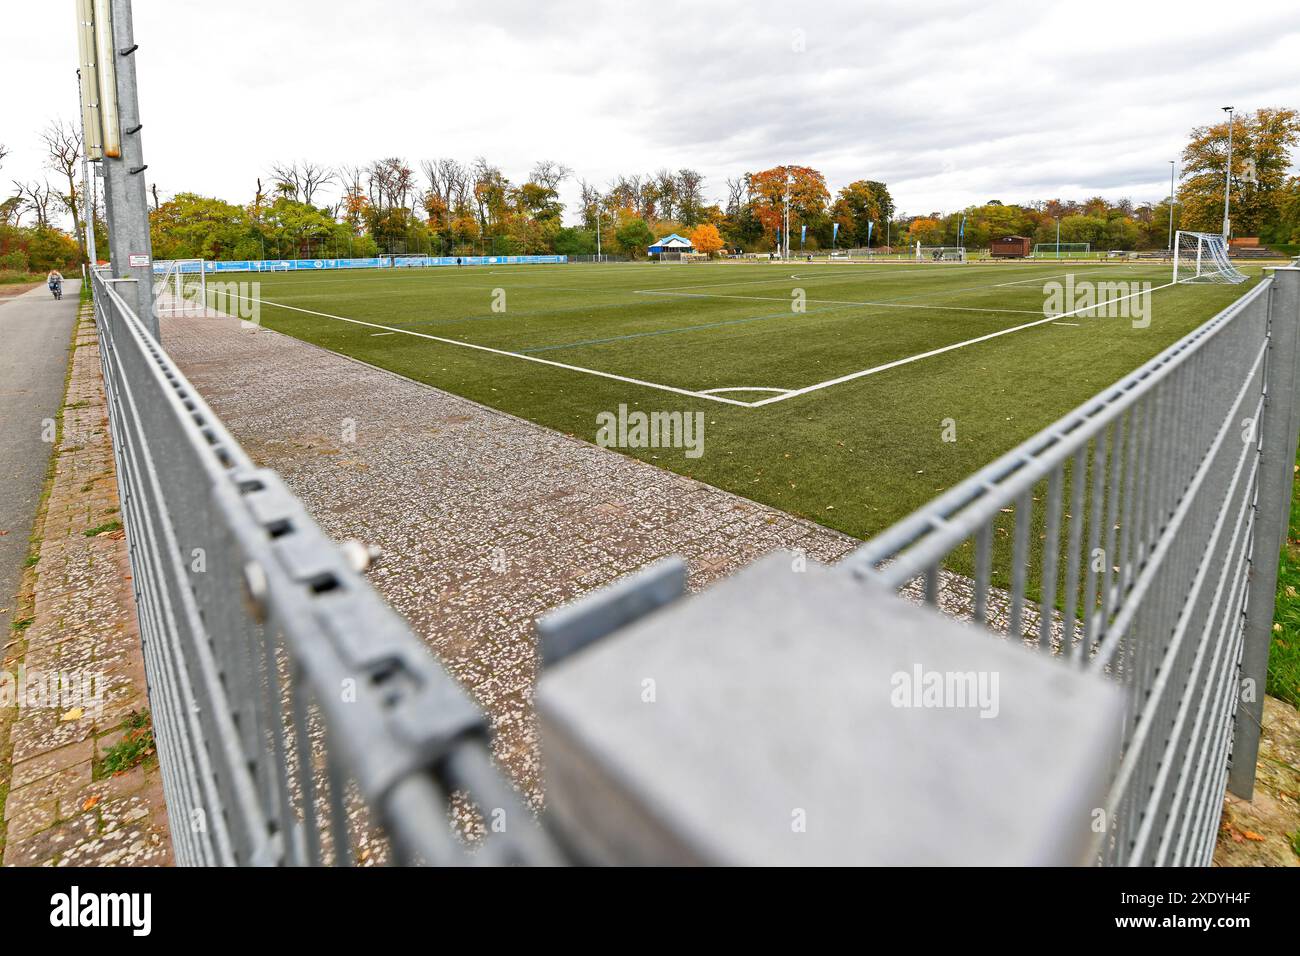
(835, 233)
(870, 228)
(803, 235)
(961, 232)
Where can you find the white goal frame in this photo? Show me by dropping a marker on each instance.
(940, 253)
(1203, 257)
(182, 287)
(1053, 250)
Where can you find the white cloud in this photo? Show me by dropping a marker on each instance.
(949, 102)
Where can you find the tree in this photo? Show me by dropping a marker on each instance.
(690, 196)
(301, 180)
(633, 237)
(706, 238)
(63, 156)
(1261, 145)
(36, 197)
(190, 226)
(807, 193)
(855, 208)
(926, 230)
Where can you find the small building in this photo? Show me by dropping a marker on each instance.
(1011, 247)
(672, 244)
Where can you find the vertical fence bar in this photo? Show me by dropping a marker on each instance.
(1277, 437)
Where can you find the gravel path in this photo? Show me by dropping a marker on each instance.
(486, 521)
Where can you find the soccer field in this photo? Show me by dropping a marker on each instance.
(833, 391)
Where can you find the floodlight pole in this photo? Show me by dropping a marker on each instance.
(789, 182)
(126, 194)
(1227, 176)
(1172, 167)
(1058, 236)
(88, 206)
(598, 232)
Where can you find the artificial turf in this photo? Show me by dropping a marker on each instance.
(855, 456)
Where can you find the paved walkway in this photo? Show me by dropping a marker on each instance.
(34, 334)
(486, 521)
(84, 786)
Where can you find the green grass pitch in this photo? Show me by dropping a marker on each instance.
(836, 413)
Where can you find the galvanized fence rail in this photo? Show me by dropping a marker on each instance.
(1138, 538)
(295, 713)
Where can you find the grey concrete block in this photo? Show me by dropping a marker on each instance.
(760, 723)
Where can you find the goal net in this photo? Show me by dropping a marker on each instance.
(1061, 250)
(1203, 257)
(180, 287)
(940, 253)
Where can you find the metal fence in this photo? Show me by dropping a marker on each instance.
(1135, 540)
(297, 718)
(1138, 538)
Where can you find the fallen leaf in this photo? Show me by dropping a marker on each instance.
(90, 803)
(75, 714)
(1252, 835)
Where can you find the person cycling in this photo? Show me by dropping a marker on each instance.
(55, 282)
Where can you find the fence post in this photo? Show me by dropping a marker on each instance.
(1272, 511)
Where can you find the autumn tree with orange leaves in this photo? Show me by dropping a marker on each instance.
(808, 196)
(706, 238)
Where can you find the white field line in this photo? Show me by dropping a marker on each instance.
(794, 393)
(888, 305)
(742, 388)
(517, 355)
(711, 394)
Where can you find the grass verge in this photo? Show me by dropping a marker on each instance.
(1284, 652)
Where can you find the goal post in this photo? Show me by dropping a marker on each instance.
(940, 253)
(180, 287)
(1061, 250)
(1203, 257)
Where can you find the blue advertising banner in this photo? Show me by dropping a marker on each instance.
(378, 262)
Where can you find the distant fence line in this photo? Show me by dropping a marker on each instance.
(212, 266)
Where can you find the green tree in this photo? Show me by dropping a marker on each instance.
(633, 237)
(190, 226)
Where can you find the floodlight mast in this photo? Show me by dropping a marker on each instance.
(1227, 176)
(110, 45)
(789, 184)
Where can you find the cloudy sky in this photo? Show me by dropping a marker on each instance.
(949, 102)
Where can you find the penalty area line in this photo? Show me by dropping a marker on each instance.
(515, 355)
(795, 393)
